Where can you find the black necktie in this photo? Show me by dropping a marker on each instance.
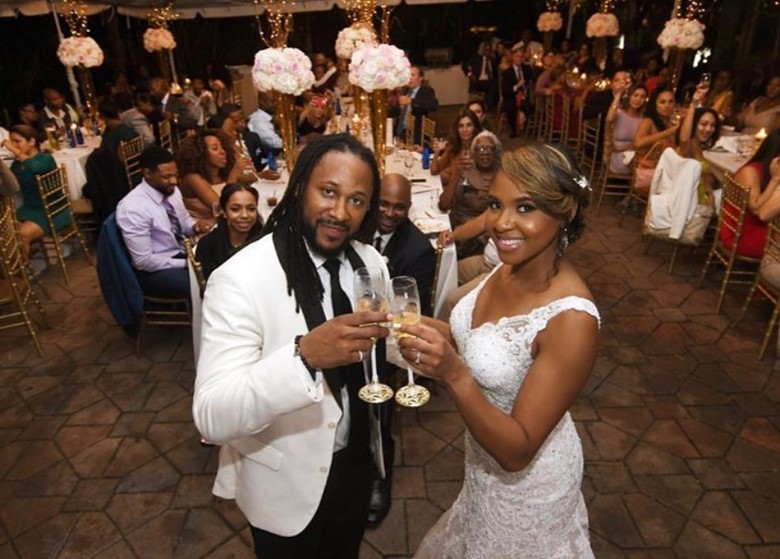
(175, 224)
(378, 244)
(341, 305)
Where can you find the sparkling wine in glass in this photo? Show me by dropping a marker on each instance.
(405, 306)
(370, 291)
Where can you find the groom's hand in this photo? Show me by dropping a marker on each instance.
(342, 340)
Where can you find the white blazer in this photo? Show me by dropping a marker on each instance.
(277, 433)
(673, 192)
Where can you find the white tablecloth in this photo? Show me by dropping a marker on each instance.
(75, 162)
(724, 162)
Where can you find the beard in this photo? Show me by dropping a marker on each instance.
(310, 234)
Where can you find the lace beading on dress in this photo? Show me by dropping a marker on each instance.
(538, 512)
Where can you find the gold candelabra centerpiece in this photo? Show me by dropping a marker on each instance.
(159, 17)
(360, 11)
(75, 14)
(279, 15)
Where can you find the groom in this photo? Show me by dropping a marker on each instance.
(282, 362)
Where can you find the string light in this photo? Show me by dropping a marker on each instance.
(692, 9)
(279, 14)
(76, 17)
(159, 17)
(607, 6)
(360, 11)
(555, 5)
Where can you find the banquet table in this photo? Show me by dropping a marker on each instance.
(75, 162)
(724, 162)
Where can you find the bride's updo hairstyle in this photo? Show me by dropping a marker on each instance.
(554, 182)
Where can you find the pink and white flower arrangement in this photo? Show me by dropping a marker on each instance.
(682, 33)
(549, 21)
(602, 25)
(157, 38)
(379, 67)
(80, 51)
(285, 70)
(353, 38)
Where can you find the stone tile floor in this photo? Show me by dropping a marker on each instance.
(680, 425)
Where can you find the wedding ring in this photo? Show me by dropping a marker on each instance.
(417, 359)
(360, 356)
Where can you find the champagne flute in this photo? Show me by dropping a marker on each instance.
(370, 290)
(409, 163)
(405, 306)
(465, 156)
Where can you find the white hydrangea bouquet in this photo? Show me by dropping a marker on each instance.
(157, 39)
(602, 25)
(285, 70)
(80, 51)
(549, 21)
(682, 33)
(379, 67)
(354, 38)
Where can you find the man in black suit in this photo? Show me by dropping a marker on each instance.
(408, 252)
(250, 142)
(482, 73)
(515, 88)
(420, 100)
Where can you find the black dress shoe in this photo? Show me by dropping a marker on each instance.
(379, 504)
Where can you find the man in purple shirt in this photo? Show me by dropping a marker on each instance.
(154, 222)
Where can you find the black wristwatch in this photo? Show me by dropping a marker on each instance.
(297, 353)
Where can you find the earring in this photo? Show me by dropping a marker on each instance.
(563, 242)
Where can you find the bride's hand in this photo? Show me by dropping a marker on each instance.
(430, 353)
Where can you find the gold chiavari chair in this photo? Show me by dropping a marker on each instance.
(611, 184)
(557, 134)
(15, 280)
(434, 288)
(771, 257)
(428, 130)
(32, 273)
(196, 266)
(53, 187)
(163, 311)
(731, 218)
(540, 110)
(409, 131)
(130, 154)
(589, 146)
(166, 135)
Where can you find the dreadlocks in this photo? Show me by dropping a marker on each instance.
(287, 217)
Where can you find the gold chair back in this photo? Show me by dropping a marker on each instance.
(434, 289)
(166, 135)
(130, 154)
(770, 260)
(733, 209)
(589, 146)
(196, 266)
(609, 183)
(53, 187)
(428, 130)
(409, 131)
(15, 282)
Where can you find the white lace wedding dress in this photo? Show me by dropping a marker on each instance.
(539, 512)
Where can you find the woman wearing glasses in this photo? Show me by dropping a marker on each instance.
(465, 194)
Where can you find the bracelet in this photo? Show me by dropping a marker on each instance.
(297, 353)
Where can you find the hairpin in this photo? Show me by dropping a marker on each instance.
(582, 182)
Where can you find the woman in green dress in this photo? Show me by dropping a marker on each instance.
(30, 162)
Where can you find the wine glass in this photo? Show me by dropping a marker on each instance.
(409, 163)
(465, 156)
(405, 306)
(399, 146)
(370, 290)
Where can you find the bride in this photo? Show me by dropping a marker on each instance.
(526, 342)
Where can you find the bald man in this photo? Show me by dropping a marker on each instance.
(408, 253)
(56, 111)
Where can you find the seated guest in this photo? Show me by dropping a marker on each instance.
(515, 90)
(9, 186)
(658, 81)
(762, 176)
(722, 96)
(29, 162)
(408, 252)
(261, 123)
(552, 71)
(463, 130)
(656, 132)
(584, 62)
(763, 112)
(342, 87)
(419, 100)
(625, 114)
(27, 114)
(115, 131)
(247, 142)
(238, 226)
(313, 119)
(154, 223)
(477, 106)
(699, 131)
(202, 100)
(594, 102)
(465, 195)
(206, 162)
(56, 112)
(139, 117)
(616, 63)
(174, 106)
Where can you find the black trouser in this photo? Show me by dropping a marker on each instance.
(336, 530)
